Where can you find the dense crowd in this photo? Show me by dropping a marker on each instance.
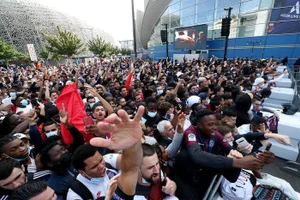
(135, 129)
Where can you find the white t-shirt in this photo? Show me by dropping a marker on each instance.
(98, 189)
(244, 129)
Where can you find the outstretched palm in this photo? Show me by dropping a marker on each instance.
(124, 131)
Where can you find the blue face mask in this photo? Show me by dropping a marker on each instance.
(51, 133)
(151, 114)
(159, 92)
(12, 94)
(91, 105)
(21, 159)
(94, 180)
(24, 102)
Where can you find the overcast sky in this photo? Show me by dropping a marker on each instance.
(112, 16)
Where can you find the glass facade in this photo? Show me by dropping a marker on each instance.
(250, 18)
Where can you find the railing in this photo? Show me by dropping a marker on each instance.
(295, 77)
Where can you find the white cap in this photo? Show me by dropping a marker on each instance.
(192, 100)
(21, 135)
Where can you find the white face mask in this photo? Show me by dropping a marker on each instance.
(152, 114)
(4, 113)
(230, 143)
(51, 133)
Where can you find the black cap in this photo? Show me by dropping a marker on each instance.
(289, 109)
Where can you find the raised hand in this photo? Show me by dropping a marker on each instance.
(112, 186)
(124, 132)
(63, 115)
(181, 119)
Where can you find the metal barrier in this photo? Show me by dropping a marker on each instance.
(295, 77)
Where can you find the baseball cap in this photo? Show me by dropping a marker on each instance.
(21, 135)
(201, 79)
(192, 100)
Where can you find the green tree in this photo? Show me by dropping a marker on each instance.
(7, 52)
(63, 43)
(98, 46)
(21, 58)
(125, 51)
(45, 54)
(56, 57)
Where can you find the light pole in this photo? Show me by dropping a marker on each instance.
(227, 34)
(253, 43)
(133, 27)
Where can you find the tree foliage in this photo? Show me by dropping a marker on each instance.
(63, 43)
(45, 54)
(102, 48)
(124, 51)
(9, 53)
(98, 46)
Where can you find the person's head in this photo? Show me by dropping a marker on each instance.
(55, 156)
(50, 128)
(227, 99)
(206, 122)
(256, 123)
(166, 129)
(138, 98)
(12, 176)
(89, 162)
(151, 106)
(53, 114)
(33, 190)
(256, 103)
(163, 108)
(10, 121)
(216, 102)
(53, 95)
(218, 90)
(121, 101)
(162, 154)
(123, 91)
(13, 147)
(99, 111)
(226, 132)
(99, 89)
(90, 100)
(229, 115)
(20, 101)
(150, 168)
(193, 89)
(202, 81)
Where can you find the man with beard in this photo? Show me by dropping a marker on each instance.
(151, 182)
(201, 158)
(57, 158)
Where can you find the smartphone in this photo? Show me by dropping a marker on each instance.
(269, 145)
(88, 121)
(242, 142)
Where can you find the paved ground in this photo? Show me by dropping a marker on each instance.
(274, 169)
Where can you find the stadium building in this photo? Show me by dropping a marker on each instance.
(259, 28)
(21, 23)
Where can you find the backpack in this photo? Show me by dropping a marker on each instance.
(80, 189)
(266, 192)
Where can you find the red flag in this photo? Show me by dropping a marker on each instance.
(71, 98)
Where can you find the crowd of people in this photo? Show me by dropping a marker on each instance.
(134, 129)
